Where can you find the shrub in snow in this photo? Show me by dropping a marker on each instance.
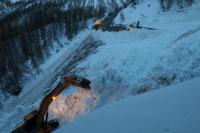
(167, 4)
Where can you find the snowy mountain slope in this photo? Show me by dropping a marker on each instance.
(135, 62)
(173, 109)
(129, 63)
(15, 107)
(142, 60)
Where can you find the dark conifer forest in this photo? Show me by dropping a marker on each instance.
(26, 34)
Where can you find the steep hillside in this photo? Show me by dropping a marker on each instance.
(119, 64)
(28, 29)
(140, 60)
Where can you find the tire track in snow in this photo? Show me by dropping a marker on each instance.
(186, 34)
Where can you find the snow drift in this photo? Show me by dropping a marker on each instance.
(172, 109)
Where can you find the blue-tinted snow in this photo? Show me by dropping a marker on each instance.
(116, 67)
(174, 109)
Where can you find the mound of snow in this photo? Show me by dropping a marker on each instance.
(173, 109)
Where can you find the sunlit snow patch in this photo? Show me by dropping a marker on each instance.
(67, 108)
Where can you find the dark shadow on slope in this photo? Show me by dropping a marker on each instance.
(186, 34)
(87, 47)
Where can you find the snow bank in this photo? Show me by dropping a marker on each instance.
(172, 109)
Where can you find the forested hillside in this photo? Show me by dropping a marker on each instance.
(28, 27)
(27, 32)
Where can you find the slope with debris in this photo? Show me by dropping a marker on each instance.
(141, 60)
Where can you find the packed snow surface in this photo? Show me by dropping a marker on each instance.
(173, 109)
